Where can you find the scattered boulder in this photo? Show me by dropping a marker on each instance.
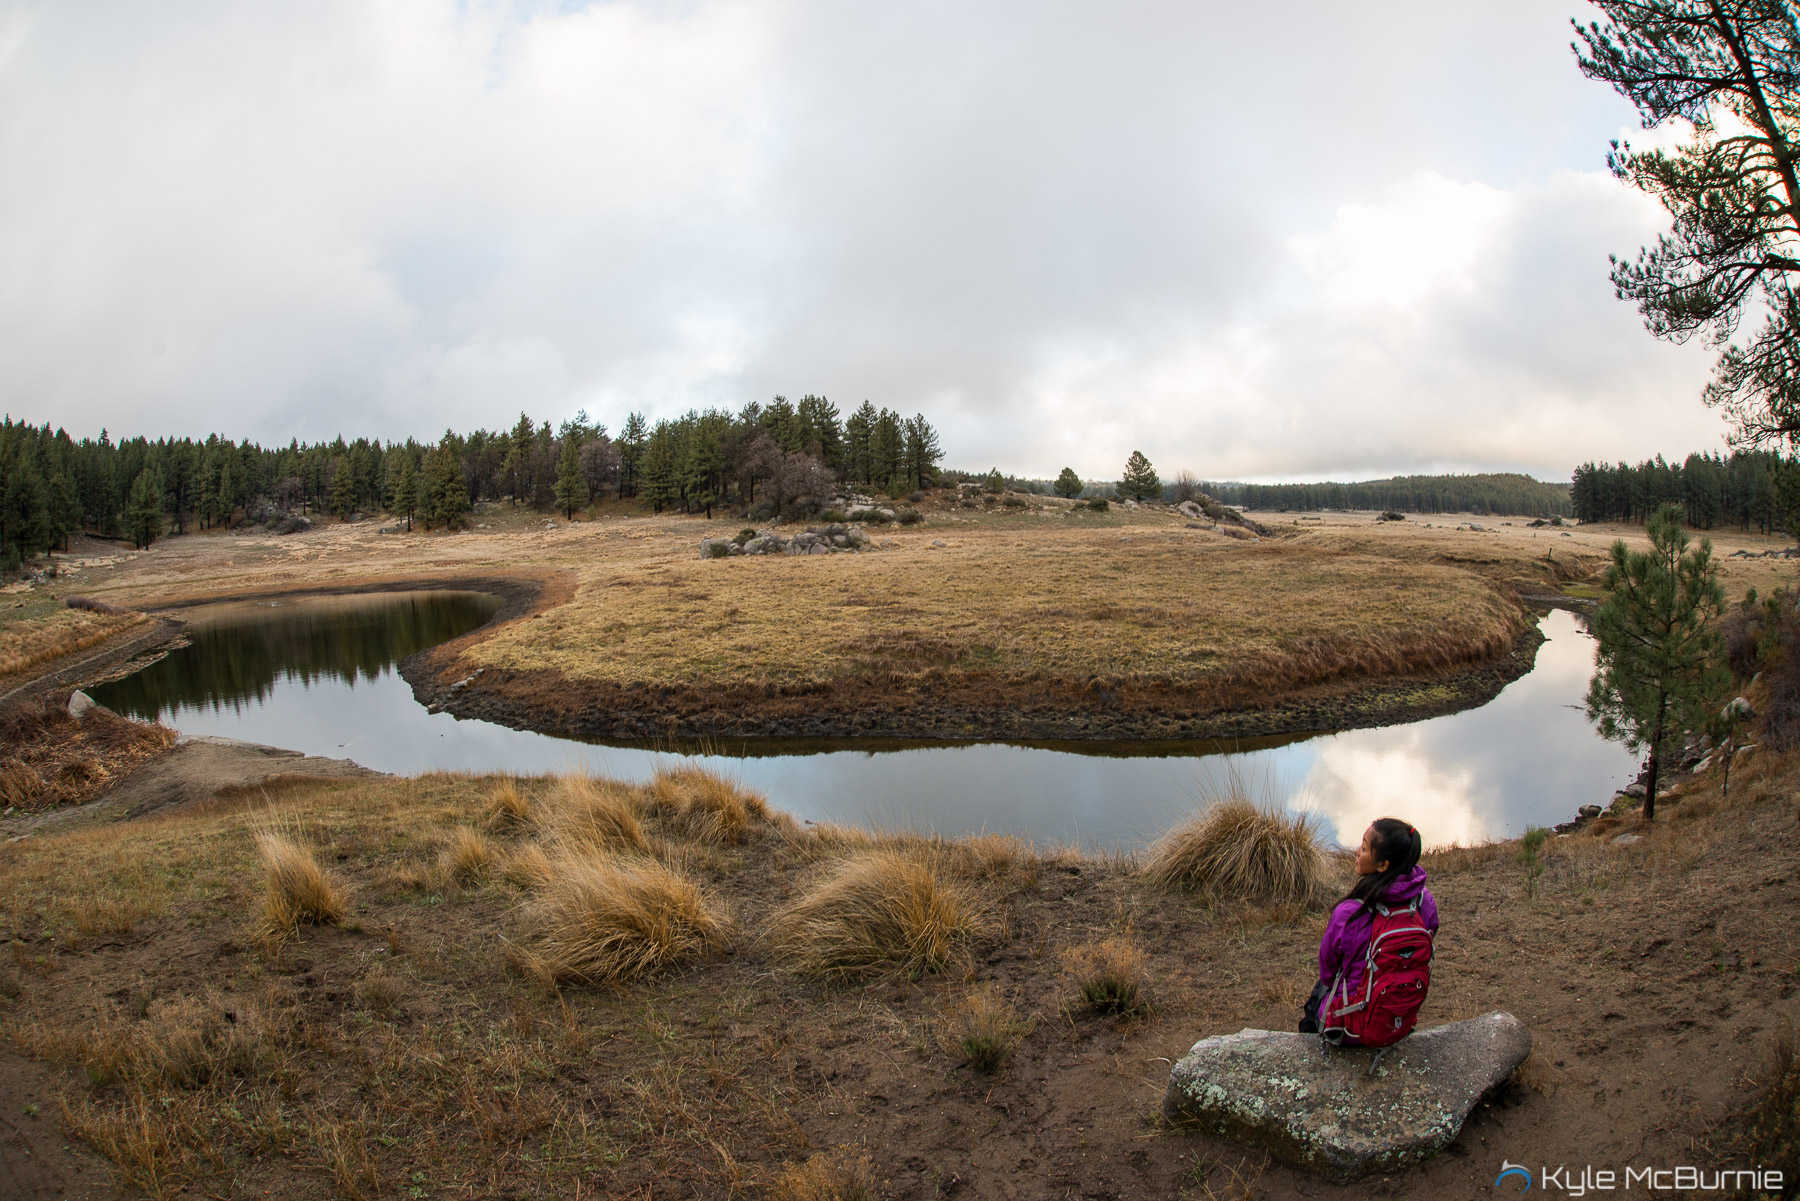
(1739, 709)
(814, 540)
(1340, 1111)
(1191, 509)
(1588, 811)
(1625, 840)
(79, 704)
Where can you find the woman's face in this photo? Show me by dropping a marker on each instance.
(1365, 855)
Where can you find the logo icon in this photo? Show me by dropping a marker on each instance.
(1508, 1168)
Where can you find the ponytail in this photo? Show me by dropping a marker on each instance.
(1397, 844)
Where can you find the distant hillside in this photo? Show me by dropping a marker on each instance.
(1507, 493)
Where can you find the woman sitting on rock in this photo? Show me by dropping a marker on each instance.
(1375, 958)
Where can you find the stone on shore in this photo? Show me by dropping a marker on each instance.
(1320, 1109)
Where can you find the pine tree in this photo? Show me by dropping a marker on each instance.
(571, 487)
(1140, 482)
(859, 463)
(633, 436)
(446, 497)
(143, 512)
(993, 483)
(1660, 666)
(1068, 484)
(922, 451)
(406, 490)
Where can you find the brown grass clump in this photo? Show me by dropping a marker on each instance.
(1235, 849)
(1109, 975)
(298, 890)
(986, 1030)
(879, 910)
(507, 809)
(601, 920)
(528, 866)
(841, 1174)
(467, 858)
(997, 855)
(706, 805)
(51, 759)
(598, 814)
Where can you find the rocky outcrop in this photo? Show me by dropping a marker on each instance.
(1323, 1108)
(815, 540)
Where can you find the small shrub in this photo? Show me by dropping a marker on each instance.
(595, 814)
(880, 910)
(1015, 502)
(706, 805)
(1109, 975)
(715, 548)
(909, 516)
(1390, 515)
(1097, 504)
(744, 535)
(297, 890)
(467, 857)
(379, 991)
(841, 1174)
(599, 920)
(1530, 857)
(1236, 849)
(507, 809)
(915, 497)
(986, 1030)
(90, 605)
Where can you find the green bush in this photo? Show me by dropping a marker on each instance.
(909, 517)
(1015, 502)
(1098, 504)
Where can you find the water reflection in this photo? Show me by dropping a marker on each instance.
(318, 677)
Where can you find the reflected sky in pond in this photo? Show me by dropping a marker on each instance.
(319, 677)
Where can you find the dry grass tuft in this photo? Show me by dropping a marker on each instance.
(528, 866)
(841, 1174)
(1235, 849)
(879, 910)
(601, 815)
(507, 809)
(706, 805)
(599, 920)
(986, 1030)
(1109, 975)
(996, 856)
(298, 891)
(468, 858)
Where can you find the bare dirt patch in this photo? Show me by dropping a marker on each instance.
(407, 1049)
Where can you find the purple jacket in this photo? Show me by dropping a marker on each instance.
(1346, 939)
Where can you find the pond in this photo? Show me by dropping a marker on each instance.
(319, 676)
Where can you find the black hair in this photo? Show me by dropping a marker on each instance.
(1397, 844)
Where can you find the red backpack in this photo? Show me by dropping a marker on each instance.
(1396, 977)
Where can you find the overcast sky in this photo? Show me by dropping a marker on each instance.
(1255, 241)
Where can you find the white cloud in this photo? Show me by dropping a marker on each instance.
(1063, 231)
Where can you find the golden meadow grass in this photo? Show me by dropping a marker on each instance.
(598, 919)
(296, 890)
(24, 645)
(878, 911)
(1236, 849)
